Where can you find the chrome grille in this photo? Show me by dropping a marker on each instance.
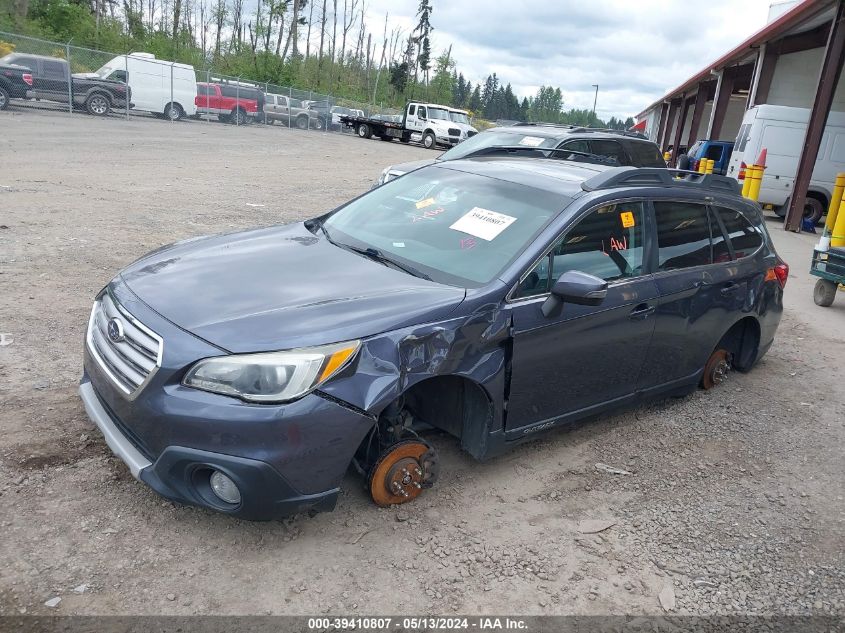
(132, 355)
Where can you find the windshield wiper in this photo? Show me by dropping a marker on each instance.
(377, 255)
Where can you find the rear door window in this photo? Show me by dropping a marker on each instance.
(742, 137)
(683, 235)
(745, 238)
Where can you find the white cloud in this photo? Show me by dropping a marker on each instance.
(634, 51)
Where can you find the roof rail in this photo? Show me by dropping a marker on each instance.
(659, 177)
(540, 123)
(610, 131)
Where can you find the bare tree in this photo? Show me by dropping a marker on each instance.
(219, 19)
(177, 12)
(282, 29)
(322, 41)
(347, 26)
(295, 28)
(308, 37)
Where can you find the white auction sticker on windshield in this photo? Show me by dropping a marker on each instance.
(532, 141)
(483, 223)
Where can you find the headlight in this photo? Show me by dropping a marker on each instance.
(272, 376)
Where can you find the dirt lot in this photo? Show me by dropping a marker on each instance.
(733, 504)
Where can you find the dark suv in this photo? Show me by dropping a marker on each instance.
(617, 147)
(492, 298)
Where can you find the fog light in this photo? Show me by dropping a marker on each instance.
(225, 488)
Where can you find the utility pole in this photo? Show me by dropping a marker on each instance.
(595, 101)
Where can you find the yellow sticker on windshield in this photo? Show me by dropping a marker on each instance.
(425, 203)
(627, 218)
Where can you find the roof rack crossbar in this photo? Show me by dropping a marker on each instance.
(659, 177)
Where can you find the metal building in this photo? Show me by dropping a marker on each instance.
(795, 60)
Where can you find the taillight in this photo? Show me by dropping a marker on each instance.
(741, 176)
(781, 273)
(27, 78)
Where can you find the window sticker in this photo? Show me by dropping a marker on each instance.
(425, 203)
(483, 223)
(399, 244)
(532, 141)
(627, 218)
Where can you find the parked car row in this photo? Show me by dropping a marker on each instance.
(163, 88)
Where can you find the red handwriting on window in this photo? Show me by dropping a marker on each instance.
(467, 243)
(615, 245)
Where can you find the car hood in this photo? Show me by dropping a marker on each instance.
(281, 288)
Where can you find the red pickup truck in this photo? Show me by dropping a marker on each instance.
(232, 103)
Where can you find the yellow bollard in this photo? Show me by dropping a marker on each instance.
(746, 184)
(710, 164)
(756, 183)
(835, 202)
(837, 239)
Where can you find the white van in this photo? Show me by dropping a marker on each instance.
(780, 130)
(158, 86)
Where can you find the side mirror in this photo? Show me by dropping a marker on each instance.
(574, 287)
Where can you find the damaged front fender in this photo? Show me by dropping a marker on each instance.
(475, 347)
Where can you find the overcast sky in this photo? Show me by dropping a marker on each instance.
(634, 51)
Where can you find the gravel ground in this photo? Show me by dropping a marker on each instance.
(733, 503)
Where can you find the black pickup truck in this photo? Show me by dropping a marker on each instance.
(50, 76)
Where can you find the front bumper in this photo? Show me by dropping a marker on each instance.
(182, 474)
(285, 458)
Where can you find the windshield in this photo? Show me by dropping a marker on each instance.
(493, 138)
(104, 72)
(459, 117)
(438, 113)
(456, 228)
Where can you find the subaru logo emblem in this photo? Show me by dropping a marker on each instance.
(115, 330)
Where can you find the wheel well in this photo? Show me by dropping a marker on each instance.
(454, 404)
(820, 196)
(742, 341)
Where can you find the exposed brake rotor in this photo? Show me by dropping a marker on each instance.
(402, 471)
(716, 370)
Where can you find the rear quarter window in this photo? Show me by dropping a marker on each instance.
(744, 237)
(645, 155)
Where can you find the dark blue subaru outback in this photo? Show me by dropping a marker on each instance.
(491, 298)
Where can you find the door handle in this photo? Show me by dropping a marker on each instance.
(641, 312)
(729, 288)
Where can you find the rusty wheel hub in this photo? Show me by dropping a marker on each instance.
(402, 472)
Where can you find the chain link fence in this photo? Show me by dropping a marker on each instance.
(72, 79)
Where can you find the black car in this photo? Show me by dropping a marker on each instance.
(619, 148)
(491, 298)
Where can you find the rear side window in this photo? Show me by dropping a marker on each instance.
(20, 60)
(645, 155)
(54, 70)
(714, 153)
(239, 92)
(611, 149)
(745, 238)
(683, 235)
